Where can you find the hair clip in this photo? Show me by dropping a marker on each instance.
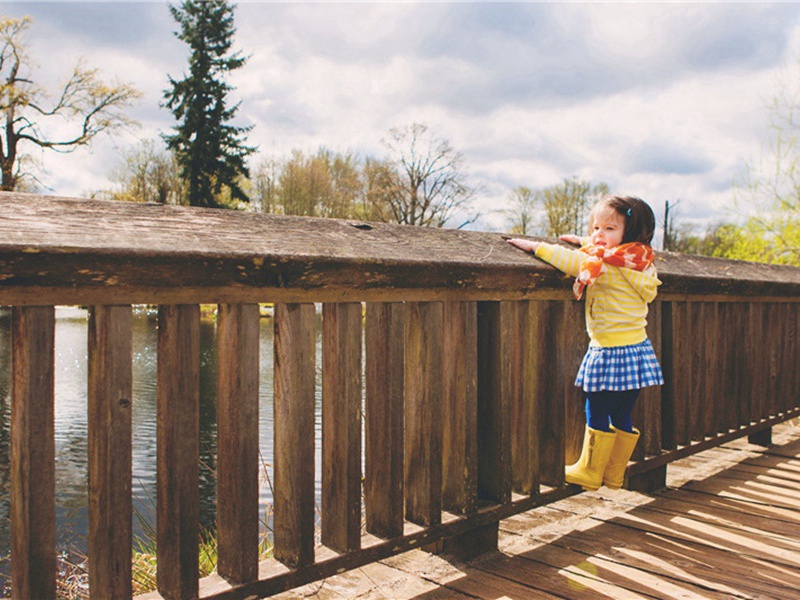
(629, 212)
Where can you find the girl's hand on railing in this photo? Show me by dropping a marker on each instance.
(571, 239)
(527, 245)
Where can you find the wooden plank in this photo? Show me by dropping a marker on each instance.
(341, 426)
(775, 329)
(294, 380)
(721, 369)
(110, 379)
(494, 426)
(696, 369)
(668, 367)
(550, 386)
(664, 569)
(237, 441)
(383, 465)
(460, 407)
(423, 401)
(567, 574)
(647, 410)
(58, 244)
(682, 375)
(178, 435)
(757, 357)
(524, 410)
(33, 517)
(709, 384)
(792, 399)
(574, 344)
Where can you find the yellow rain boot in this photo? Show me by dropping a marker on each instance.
(620, 455)
(588, 471)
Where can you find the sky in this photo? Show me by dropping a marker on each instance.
(665, 101)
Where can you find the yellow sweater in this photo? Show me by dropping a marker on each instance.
(616, 303)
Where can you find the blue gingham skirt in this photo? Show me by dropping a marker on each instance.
(619, 368)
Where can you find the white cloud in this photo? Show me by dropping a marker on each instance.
(663, 100)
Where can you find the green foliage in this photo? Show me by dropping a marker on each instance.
(768, 190)
(420, 182)
(210, 151)
(555, 210)
(567, 205)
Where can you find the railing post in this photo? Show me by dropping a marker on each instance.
(237, 446)
(293, 430)
(178, 432)
(423, 433)
(460, 407)
(383, 484)
(33, 513)
(110, 470)
(341, 426)
(550, 388)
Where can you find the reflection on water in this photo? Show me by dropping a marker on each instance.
(71, 422)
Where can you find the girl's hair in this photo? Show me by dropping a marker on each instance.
(640, 222)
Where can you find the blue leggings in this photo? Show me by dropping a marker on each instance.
(604, 408)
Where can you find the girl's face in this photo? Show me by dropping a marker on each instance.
(608, 227)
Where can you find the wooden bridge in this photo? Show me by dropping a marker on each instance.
(726, 527)
(466, 399)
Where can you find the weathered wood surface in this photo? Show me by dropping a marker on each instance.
(728, 526)
(81, 251)
(33, 463)
(178, 446)
(110, 389)
(237, 454)
(293, 433)
(383, 419)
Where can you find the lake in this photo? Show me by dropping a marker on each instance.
(71, 422)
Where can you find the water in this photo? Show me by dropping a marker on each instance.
(71, 423)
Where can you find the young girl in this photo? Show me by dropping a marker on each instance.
(614, 267)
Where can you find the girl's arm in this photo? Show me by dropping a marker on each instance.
(527, 245)
(571, 239)
(564, 259)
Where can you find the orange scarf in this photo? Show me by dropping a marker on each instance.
(633, 255)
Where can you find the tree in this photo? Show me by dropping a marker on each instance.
(324, 185)
(90, 105)
(425, 183)
(566, 205)
(264, 188)
(148, 174)
(210, 151)
(522, 214)
(768, 190)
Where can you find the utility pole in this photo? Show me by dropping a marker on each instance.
(666, 244)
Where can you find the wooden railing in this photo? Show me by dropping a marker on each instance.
(469, 414)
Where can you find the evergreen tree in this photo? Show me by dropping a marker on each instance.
(210, 151)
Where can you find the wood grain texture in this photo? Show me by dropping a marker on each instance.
(423, 401)
(110, 465)
(494, 415)
(460, 407)
(90, 251)
(383, 485)
(33, 512)
(550, 387)
(237, 445)
(524, 397)
(575, 342)
(295, 358)
(178, 435)
(341, 426)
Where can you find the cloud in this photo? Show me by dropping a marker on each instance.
(662, 100)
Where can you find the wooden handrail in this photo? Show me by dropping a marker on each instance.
(469, 351)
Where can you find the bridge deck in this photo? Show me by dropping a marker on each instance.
(727, 526)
